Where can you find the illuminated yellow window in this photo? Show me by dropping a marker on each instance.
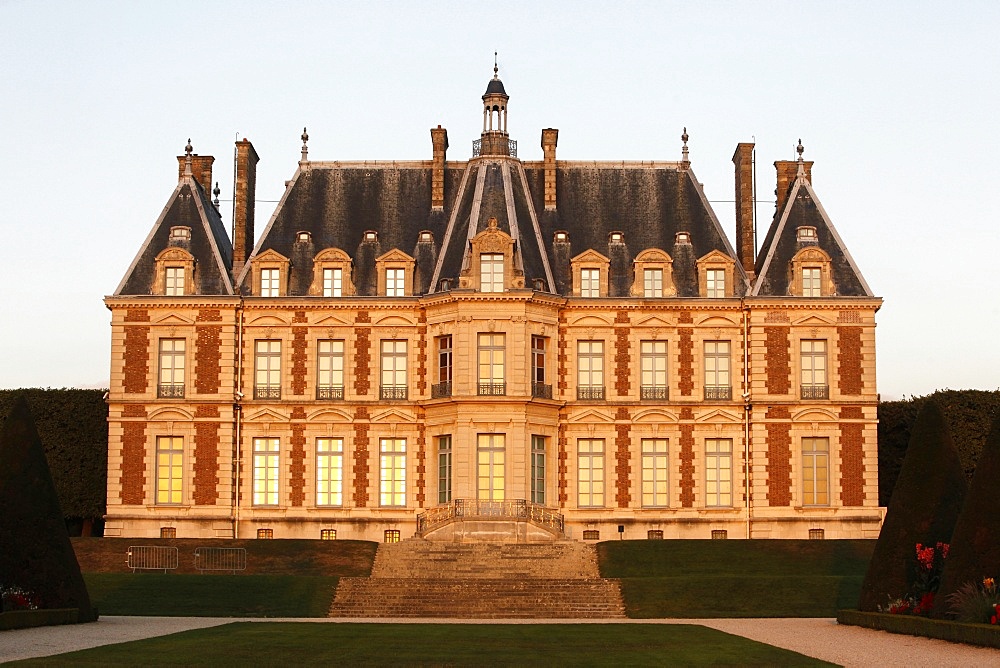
(169, 469)
(392, 472)
(329, 471)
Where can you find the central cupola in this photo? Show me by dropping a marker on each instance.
(495, 140)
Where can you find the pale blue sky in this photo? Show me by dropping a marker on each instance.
(894, 101)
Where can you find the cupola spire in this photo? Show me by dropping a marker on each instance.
(495, 140)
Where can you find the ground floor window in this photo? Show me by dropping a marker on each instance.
(169, 469)
(265, 471)
(444, 469)
(654, 472)
(329, 471)
(328, 534)
(719, 472)
(815, 471)
(538, 470)
(391, 536)
(265, 533)
(392, 472)
(590, 472)
(490, 467)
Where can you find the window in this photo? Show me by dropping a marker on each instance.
(392, 472)
(654, 473)
(490, 467)
(720, 534)
(652, 283)
(539, 388)
(491, 365)
(394, 282)
(811, 282)
(719, 472)
(330, 370)
(168, 532)
(717, 380)
(174, 285)
(817, 534)
(390, 536)
(267, 370)
(265, 471)
(591, 534)
(328, 534)
(265, 534)
(538, 470)
(814, 370)
(590, 282)
(270, 284)
(444, 469)
(590, 472)
(815, 471)
(333, 282)
(329, 471)
(443, 387)
(590, 370)
(654, 534)
(715, 283)
(393, 370)
(171, 383)
(491, 272)
(653, 366)
(169, 469)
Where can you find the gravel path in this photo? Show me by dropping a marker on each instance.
(820, 638)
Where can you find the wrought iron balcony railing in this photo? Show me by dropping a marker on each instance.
(330, 392)
(477, 148)
(267, 392)
(492, 389)
(170, 391)
(815, 391)
(518, 509)
(654, 392)
(590, 392)
(541, 390)
(392, 392)
(718, 393)
(441, 390)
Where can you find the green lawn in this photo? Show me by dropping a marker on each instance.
(737, 578)
(248, 643)
(177, 594)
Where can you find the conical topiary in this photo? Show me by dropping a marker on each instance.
(925, 504)
(35, 553)
(975, 543)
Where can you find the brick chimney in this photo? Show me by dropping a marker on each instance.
(745, 251)
(439, 139)
(787, 171)
(550, 137)
(201, 170)
(243, 204)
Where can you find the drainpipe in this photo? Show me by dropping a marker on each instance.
(238, 417)
(747, 410)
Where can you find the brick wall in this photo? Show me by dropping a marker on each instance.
(362, 356)
(777, 361)
(849, 378)
(136, 359)
(562, 465)
(206, 459)
(623, 459)
(299, 359)
(852, 457)
(686, 458)
(361, 458)
(421, 458)
(208, 359)
(685, 354)
(623, 357)
(779, 457)
(297, 460)
(133, 463)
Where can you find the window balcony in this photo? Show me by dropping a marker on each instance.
(441, 390)
(541, 390)
(267, 392)
(590, 392)
(654, 392)
(492, 389)
(393, 392)
(170, 391)
(815, 391)
(718, 393)
(330, 392)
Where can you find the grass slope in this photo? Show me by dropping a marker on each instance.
(175, 594)
(248, 643)
(736, 578)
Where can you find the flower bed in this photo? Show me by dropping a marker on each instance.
(985, 635)
(25, 619)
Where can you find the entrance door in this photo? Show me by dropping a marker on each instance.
(490, 467)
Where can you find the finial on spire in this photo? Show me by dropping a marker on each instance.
(187, 159)
(801, 171)
(216, 191)
(684, 148)
(799, 149)
(496, 69)
(305, 145)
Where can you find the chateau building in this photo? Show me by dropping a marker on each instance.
(492, 348)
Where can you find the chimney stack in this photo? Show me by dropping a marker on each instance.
(550, 137)
(439, 139)
(787, 171)
(201, 169)
(243, 204)
(745, 251)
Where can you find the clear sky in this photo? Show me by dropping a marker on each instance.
(896, 102)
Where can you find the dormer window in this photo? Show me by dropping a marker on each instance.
(269, 274)
(715, 283)
(394, 282)
(180, 233)
(811, 273)
(683, 238)
(270, 282)
(616, 238)
(444, 285)
(174, 281)
(716, 275)
(331, 274)
(303, 237)
(371, 236)
(426, 236)
(590, 282)
(807, 234)
(333, 282)
(395, 273)
(561, 236)
(652, 281)
(491, 272)
(590, 272)
(653, 275)
(811, 286)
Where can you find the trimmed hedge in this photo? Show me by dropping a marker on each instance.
(26, 619)
(984, 635)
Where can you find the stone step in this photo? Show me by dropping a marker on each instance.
(486, 599)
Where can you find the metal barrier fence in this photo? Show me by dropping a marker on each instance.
(220, 559)
(151, 557)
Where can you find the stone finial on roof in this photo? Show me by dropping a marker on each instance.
(187, 160)
(305, 145)
(802, 168)
(216, 191)
(684, 148)
(496, 68)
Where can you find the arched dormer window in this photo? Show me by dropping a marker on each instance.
(269, 274)
(490, 263)
(174, 274)
(395, 273)
(590, 274)
(811, 274)
(653, 274)
(716, 275)
(332, 274)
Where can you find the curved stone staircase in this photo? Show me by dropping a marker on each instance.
(421, 578)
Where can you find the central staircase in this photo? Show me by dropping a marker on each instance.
(422, 578)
